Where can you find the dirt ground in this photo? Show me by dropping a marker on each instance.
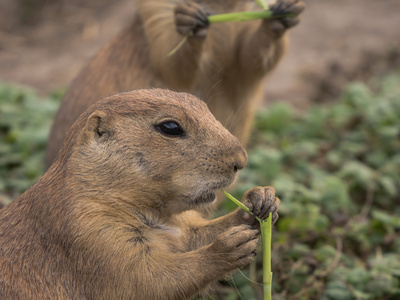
(44, 45)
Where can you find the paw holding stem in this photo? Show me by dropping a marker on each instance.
(240, 204)
(260, 201)
(282, 9)
(192, 20)
(266, 234)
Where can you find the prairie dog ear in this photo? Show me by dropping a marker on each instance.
(99, 126)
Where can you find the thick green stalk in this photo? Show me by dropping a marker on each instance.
(240, 16)
(266, 234)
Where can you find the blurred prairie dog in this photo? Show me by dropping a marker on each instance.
(115, 215)
(222, 64)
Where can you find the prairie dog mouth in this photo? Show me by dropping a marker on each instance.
(207, 194)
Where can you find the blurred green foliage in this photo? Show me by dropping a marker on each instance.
(25, 120)
(336, 168)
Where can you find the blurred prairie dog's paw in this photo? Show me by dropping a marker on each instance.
(190, 16)
(285, 7)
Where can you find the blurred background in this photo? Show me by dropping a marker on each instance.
(328, 139)
(44, 43)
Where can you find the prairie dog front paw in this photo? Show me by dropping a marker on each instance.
(190, 16)
(261, 201)
(285, 7)
(235, 247)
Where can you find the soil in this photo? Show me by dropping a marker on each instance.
(44, 43)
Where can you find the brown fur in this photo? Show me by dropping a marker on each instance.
(113, 217)
(222, 64)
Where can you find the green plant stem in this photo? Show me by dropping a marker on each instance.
(266, 235)
(173, 51)
(262, 4)
(240, 16)
(238, 203)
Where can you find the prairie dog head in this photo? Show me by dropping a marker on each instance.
(152, 144)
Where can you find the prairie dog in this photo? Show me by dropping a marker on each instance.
(222, 64)
(115, 216)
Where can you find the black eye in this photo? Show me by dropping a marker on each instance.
(170, 128)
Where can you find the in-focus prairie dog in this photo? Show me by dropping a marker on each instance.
(114, 218)
(222, 64)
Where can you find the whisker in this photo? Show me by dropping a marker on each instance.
(210, 93)
(232, 283)
(249, 279)
(249, 114)
(237, 112)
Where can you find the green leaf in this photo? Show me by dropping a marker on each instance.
(337, 290)
(276, 118)
(386, 218)
(357, 172)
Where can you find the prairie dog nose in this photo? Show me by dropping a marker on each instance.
(241, 160)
